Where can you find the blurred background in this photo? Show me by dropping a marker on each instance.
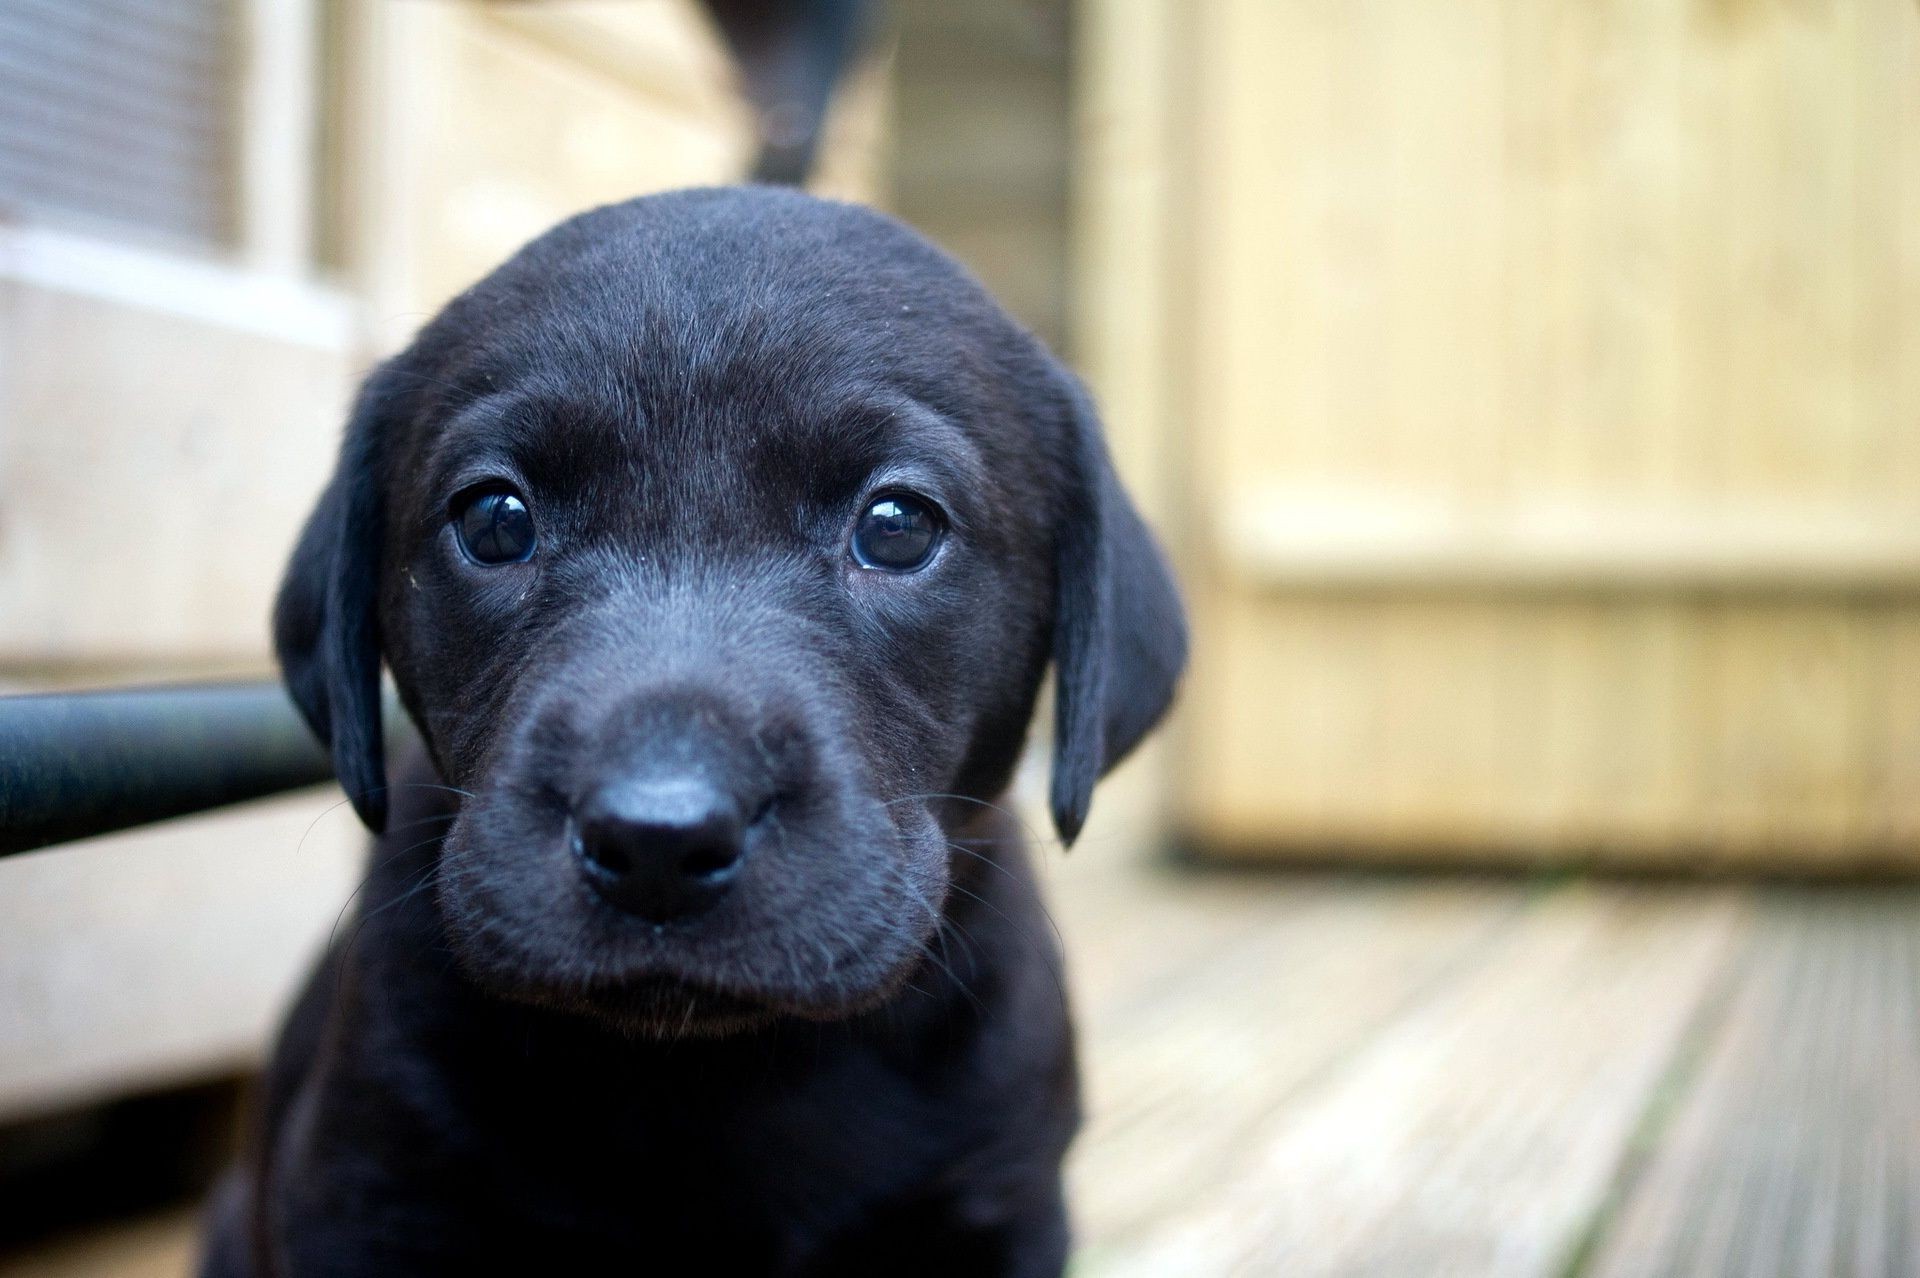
(1528, 392)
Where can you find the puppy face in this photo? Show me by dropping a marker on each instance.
(718, 543)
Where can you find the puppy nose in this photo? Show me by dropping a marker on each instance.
(660, 849)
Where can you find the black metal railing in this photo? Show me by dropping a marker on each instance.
(75, 764)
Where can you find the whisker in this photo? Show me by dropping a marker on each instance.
(1002, 809)
(424, 881)
(1045, 913)
(418, 785)
(939, 922)
(1026, 934)
(374, 863)
(687, 1022)
(368, 878)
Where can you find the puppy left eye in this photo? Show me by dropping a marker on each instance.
(897, 533)
(494, 526)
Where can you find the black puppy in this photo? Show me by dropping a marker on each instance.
(717, 544)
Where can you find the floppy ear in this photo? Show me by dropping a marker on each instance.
(326, 629)
(1119, 633)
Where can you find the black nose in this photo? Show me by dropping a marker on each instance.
(661, 849)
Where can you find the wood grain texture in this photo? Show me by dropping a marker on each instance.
(1337, 1074)
(1472, 1133)
(1544, 380)
(501, 120)
(1263, 1014)
(1797, 1148)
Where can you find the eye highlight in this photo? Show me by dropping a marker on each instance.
(898, 532)
(494, 526)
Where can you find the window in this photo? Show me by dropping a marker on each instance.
(119, 114)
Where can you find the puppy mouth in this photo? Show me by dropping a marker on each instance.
(667, 1007)
(801, 945)
(678, 1000)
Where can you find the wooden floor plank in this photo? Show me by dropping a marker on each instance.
(1179, 1073)
(1138, 932)
(1475, 1134)
(1797, 1149)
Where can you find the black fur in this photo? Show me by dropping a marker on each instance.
(859, 1061)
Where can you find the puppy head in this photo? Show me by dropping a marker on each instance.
(718, 543)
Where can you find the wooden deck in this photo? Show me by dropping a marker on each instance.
(1338, 1073)
(1348, 1074)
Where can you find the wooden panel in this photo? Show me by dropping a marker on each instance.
(498, 121)
(158, 460)
(1278, 540)
(164, 955)
(1617, 299)
(982, 147)
(473, 169)
(1664, 732)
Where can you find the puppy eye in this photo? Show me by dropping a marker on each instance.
(897, 533)
(494, 526)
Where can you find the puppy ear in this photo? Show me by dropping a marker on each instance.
(1119, 633)
(326, 629)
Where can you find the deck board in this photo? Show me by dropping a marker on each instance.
(1473, 1133)
(1795, 1150)
(1247, 1027)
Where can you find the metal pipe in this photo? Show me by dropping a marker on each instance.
(75, 764)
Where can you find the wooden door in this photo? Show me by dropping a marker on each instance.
(1534, 393)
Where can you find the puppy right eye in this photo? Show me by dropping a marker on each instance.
(494, 526)
(897, 533)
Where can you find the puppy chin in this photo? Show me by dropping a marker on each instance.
(625, 984)
(667, 1009)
